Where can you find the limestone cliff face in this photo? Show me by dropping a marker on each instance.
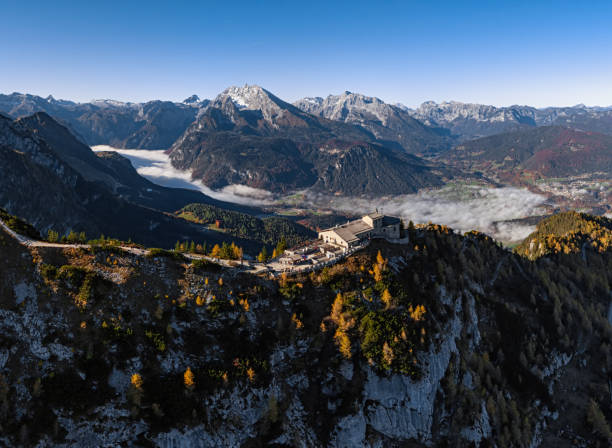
(387, 122)
(95, 346)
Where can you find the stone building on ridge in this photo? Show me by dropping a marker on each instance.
(353, 233)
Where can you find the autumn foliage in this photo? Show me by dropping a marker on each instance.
(189, 378)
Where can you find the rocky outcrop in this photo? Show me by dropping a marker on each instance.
(468, 121)
(387, 122)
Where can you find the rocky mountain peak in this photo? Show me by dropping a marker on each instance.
(192, 99)
(250, 97)
(256, 98)
(107, 103)
(347, 106)
(385, 121)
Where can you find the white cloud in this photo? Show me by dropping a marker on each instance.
(155, 165)
(463, 209)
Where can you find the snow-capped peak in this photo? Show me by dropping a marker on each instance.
(253, 97)
(248, 97)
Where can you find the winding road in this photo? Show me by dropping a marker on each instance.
(29, 242)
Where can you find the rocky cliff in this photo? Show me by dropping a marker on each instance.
(446, 341)
(387, 122)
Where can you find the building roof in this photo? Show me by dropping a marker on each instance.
(290, 259)
(390, 220)
(349, 232)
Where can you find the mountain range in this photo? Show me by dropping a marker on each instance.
(347, 144)
(387, 122)
(467, 121)
(248, 136)
(151, 125)
(50, 178)
(430, 127)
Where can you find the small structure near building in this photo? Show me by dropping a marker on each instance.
(291, 259)
(353, 233)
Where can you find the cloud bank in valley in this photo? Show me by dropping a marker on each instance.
(155, 165)
(462, 208)
(483, 209)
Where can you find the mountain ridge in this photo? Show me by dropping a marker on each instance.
(49, 191)
(471, 120)
(249, 136)
(546, 151)
(151, 125)
(387, 122)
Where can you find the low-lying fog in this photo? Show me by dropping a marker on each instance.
(463, 208)
(155, 165)
(460, 207)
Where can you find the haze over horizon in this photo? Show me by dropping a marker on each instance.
(549, 54)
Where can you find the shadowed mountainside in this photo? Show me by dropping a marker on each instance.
(448, 340)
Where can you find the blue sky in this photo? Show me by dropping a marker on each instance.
(494, 52)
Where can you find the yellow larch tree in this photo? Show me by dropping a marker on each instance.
(380, 259)
(298, 323)
(386, 298)
(189, 378)
(417, 314)
(250, 374)
(136, 381)
(344, 343)
(336, 310)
